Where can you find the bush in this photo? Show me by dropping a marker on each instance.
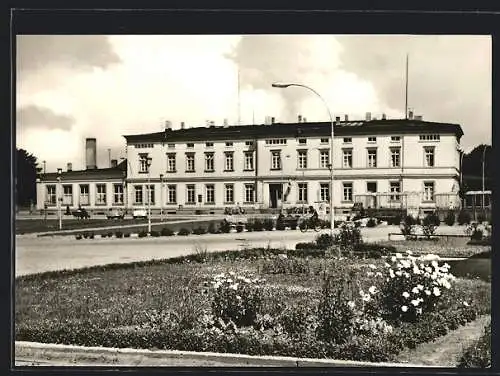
(450, 218)
(183, 232)
(285, 265)
(324, 241)
(372, 222)
(212, 229)
(478, 355)
(268, 224)
(280, 223)
(429, 224)
(91, 235)
(240, 228)
(103, 235)
(463, 217)
(155, 234)
(119, 234)
(373, 250)
(110, 234)
(126, 235)
(143, 234)
(349, 238)
(225, 227)
(199, 231)
(477, 234)
(78, 236)
(307, 245)
(165, 231)
(481, 218)
(257, 225)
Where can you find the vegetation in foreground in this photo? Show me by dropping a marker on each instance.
(478, 355)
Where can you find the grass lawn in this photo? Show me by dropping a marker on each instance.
(159, 305)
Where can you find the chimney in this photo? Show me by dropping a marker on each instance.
(225, 124)
(384, 117)
(114, 163)
(410, 114)
(337, 119)
(182, 125)
(368, 116)
(418, 117)
(299, 119)
(346, 117)
(168, 124)
(69, 166)
(304, 120)
(91, 153)
(273, 120)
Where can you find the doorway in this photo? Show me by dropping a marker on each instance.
(275, 194)
(371, 187)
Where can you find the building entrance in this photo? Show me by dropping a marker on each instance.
(371, 187)
(275, 194)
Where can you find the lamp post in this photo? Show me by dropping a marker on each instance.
(59, 197)
(484, 150)
(332, 214)
(161, 197)
(149, 194)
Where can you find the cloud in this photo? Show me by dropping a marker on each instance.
(33, 116)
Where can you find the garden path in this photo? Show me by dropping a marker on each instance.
(445, 351)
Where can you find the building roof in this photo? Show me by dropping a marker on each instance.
(344, 128)
(90, 174)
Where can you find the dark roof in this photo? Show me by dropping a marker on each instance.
(90, 174)
(345, 128)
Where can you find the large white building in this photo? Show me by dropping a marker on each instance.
(406, 163)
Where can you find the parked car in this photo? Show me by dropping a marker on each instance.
(140, 213)
(115, 214)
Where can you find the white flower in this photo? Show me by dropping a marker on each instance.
(415, 290)
(378, 274)
(406, 295)
(428, 269)
(399, 273)
(232, 273)
(436, 291)
(366, 297)
(409, 252)
(387, 265)
(415, 302)
(371, 266)
(446, 284)
(351, 304)
(391, 273)
(420, 287)
(427, 292)
(372, 290)
(434, 263)
(369, 274)
(466, 304)
(234, 287)
(399, 255)
(393, 258)
(419, 311)
(446, 265)
(433, 276)
(404, 308)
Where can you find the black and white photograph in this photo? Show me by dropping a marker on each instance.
(252, 200)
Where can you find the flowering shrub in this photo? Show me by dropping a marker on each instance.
(413, 285)
(236, 299)
(349, 237)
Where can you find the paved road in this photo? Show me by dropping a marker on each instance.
(34, 255)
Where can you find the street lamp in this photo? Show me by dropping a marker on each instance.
(332, 214)
(149, 194)
(59, 199)
(161, 197)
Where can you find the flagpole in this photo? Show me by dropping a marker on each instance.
(406, 89)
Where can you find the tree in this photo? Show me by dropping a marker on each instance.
(472, 169)
(25, 173)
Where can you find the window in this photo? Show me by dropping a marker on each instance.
(51, 195)
(325, 140)
(395, 157)
(428, 191)
(171, 162)
(429, 137)
(229, 144)
(372, 139)
(324, 158)
(190, 194)
(395, 138)
(347, 191)
(302, 192)
(324, 192)
(347, 158)
(117, 194)
(228, 161)
(138, 194)
(209, 144)
(190, 162)
(210, 194)
(249, 143)
(302, 141)
(249, 160)
(276, 141)
(172, 194)
(347, 140)
(209, 162)
(229, 193)
(302, 158)
(395, 188)
(372, 158)
(249, 192)
(171, 146)
(84, 194)
(150, 191)
(429, 157)
(143, 146)
(144, 163)
(100, 198)
(67, 195)
(190, 145)
(276, 160)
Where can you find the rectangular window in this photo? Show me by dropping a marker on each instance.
(172, 193)
(347, 158)
(372, 139)
(249, 143)
(325, 140)
(190, 162)
(429, 156)
(395, 138)
(84, 194)
(229, 144)
(324, 192)
(228, 193)
(51, 195)
(249, 193)
(210, 194)
(150, 191)
(118, 194)
(138, 195)
(190, 145)
(302, 158)
(324, 158)
(249, 161)
(395, 188)
(347, 191)
(171, 146)
(144, 163)
(428, 191)
(302, 141)
(171, 167)
(347, 140)
(100, 198)
(302, 192)
(67, 195)
(395, 157)
(276, 141)
(228, 161)
(190, 194)
(209, 144)
(276, 160)
(209, 162)
(372, 158)
(429, 137)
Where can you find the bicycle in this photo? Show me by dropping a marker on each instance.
(309, 223)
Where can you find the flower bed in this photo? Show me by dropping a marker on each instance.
(267, 304)
(478, 355)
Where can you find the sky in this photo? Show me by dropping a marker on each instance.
(72, 87)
